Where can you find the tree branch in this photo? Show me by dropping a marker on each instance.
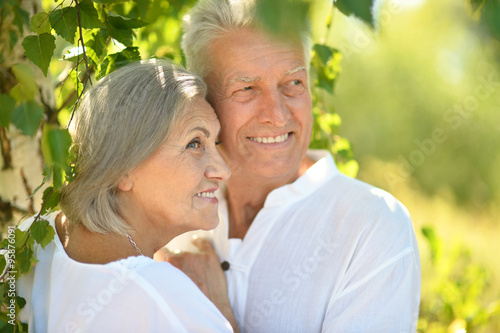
(29, 191)
(6, 149)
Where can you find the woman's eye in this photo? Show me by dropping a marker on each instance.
(218, 142)
(194, 144)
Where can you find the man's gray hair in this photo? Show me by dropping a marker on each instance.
(119, 123)
(209, 19)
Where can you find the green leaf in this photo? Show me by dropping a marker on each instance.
(51, 199)
(476, 4)
(89, 15)
(21, 302)
(359, 8)
(21, 237)
(40, 23)
(8, 104)
(286, 17)
(27, 117)
(120, 28)
(490, 12)
(97, 41)
(3, 264)
(21, 18)
(434, 242)
(325, 61)
(13, 38)
(47, 173)
(121, 22)
(55, 150)
(108, 2)
(65, 22)
(26, 87)
(25, 259)
(42, 232)
(117, 60)
(39, 49)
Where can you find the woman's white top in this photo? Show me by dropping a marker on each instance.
(136, 294)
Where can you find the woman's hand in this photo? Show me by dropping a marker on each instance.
(205, 270)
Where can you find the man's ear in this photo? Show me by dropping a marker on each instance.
(125, 184)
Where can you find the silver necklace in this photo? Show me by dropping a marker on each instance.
(134, 244)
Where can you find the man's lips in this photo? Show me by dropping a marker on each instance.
(270, 139)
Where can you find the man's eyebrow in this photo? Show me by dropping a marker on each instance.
(296, 69)
(245, 79)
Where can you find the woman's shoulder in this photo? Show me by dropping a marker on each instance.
(171, 291)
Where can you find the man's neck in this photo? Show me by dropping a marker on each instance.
(246, 196)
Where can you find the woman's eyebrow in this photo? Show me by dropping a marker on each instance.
(201, 129)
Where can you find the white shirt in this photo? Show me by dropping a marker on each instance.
(135, 294)
(326, 253)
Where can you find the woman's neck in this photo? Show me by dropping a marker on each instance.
(89, 247)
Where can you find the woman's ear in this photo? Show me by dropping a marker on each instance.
(125, 184)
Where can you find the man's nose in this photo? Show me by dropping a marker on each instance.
(273, 109)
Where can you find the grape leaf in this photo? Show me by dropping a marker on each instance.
(27, 117)
(39, 49)
(42, 232)
(65, 22)
(8, 104)
(359, 8)
(40, 23)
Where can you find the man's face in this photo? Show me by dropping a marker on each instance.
(259, 89)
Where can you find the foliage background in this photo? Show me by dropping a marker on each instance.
(416, 73)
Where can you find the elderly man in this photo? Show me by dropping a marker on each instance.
(305, 248)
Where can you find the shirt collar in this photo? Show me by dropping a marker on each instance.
(312, 179)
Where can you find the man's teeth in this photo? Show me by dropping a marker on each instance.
(279, 138)
(206, 194)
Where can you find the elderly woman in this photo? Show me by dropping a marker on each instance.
(147, 170)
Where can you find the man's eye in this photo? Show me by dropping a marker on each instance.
(247, 88)
(295, 82)
(195, 143)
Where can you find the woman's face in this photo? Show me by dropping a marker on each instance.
(173, 191)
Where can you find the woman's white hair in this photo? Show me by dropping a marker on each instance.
(119, 123)
(209, 19)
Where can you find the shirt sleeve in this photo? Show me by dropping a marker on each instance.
(380, 291)
(385, 301)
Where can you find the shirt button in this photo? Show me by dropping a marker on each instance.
(225, 265)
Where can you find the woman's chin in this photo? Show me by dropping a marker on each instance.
(210, 224)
